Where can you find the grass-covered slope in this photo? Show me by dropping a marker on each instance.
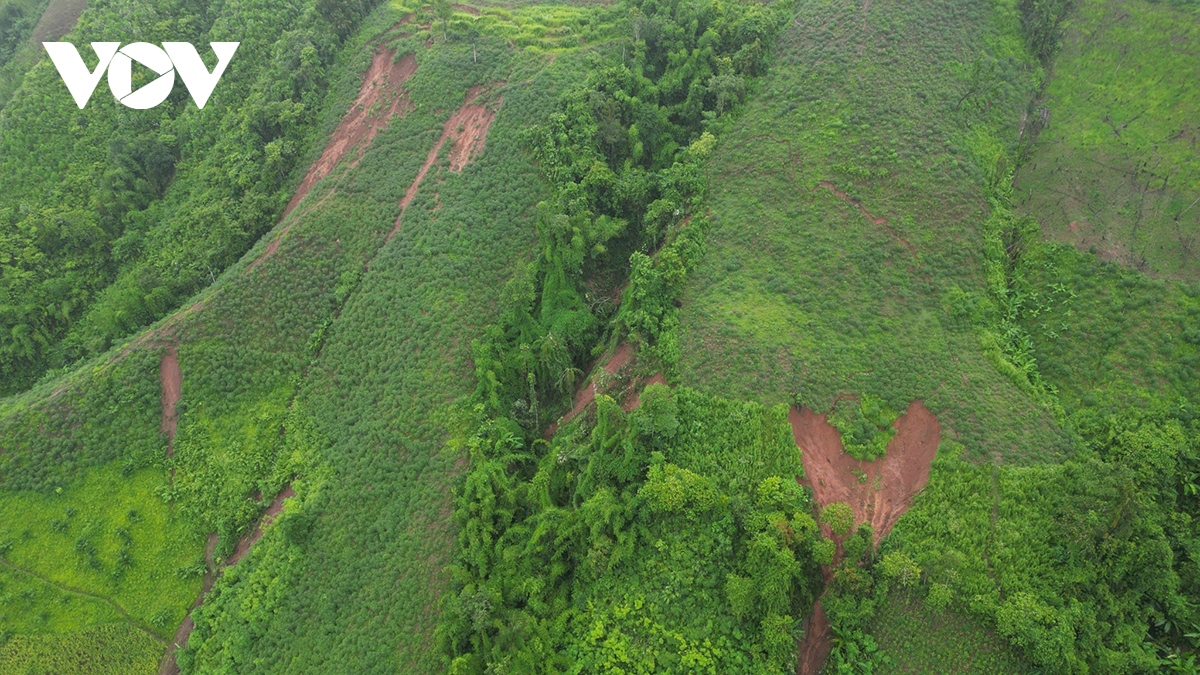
(1113, 145)
(847, 253)
(109, 217)
(921, 282)
(248, 421)
(358, 584)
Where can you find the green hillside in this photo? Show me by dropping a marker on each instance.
(652, 336)
(1111, 162)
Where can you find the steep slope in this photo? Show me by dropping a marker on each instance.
(1113, 145)
(846, 254)
(863, 248)
(110, 216)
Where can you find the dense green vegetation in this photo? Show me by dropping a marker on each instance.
(109, 217)
(805, 202)
(955, 291)
(355, 571)
(17, 19)
(1112, 144)
(919, 635)
(671, 540)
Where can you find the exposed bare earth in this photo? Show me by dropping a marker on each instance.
(635, 398)
(167, 665)
(817, 642)
(586, 396)
(172, 385)
(268, 517)
(466, 132)
(891, 483)
(381, 97)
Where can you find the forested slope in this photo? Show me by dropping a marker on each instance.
(260, 356)
(660, 336)
(865, 252)
(111, 216)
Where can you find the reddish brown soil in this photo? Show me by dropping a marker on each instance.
(380, 98)
(167, 665)
(466, 132)
(474, 122)
(473, 11)
(268, 517)
(172, 386)
(890, 484)
(816, 644)
(635, 398)
(891, 481)
(876, 220)
(586, 396)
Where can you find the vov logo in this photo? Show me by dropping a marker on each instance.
(171, 58)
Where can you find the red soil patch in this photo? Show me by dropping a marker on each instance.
(268, 516)
(635, 399)
(380, 98)
(167, 665)
(586, 396)
(891, 481)
(473, 11)
(172, 386)
(876, 220)
(817, 642)
(466, 132)
(59, 17)
(890, 484)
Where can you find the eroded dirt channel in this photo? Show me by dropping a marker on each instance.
(884, 492)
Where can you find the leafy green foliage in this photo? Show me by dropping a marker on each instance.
(377, 335)
(865, 425)
(919, 638)
(611, 551)
(113, 649)
(800, 296)
(109, 216)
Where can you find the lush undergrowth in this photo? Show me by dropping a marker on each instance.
(110, 217)
(803, 294)
(674, 539)
(847, 230)
(918, 636)
(107, 650)
(354, 573)
(1111, 147)
(18, 18)
(921, 282)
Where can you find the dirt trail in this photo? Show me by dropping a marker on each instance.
(172, 386)
(635, 397)
(268, 517)
(59, 17)
(817, 643)
(381, 97)
(167, 665)
(891, 483)
(876, 220)
(466, 131)
(473, 11)
(586, 396)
